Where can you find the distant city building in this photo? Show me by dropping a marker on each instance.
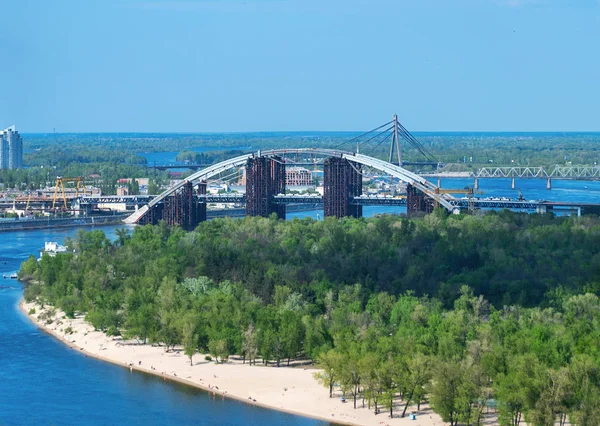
(122, 191)
(298, 176)
(294, 176)
(11, 149)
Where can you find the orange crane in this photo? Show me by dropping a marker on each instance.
(60, 181)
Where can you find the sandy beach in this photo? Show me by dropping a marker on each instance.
(293, 390)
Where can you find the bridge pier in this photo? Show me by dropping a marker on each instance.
(182, 208)
(512, 183)
(265, 178)
(342, 181)
(549, 184)
(417, 201)
(476, 183)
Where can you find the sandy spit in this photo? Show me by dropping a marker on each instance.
(293, 389)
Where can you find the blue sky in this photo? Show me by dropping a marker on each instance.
(250, 65)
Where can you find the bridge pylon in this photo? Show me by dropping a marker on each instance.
(182, 208)
(342, 181)
(417, 202)
(265, 178)
(395, 143)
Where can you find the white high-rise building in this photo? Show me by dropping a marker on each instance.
(11, 149)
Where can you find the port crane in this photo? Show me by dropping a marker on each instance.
(60, 181)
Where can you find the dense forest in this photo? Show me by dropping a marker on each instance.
(461, 311)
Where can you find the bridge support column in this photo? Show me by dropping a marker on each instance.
(541, 209)
(549, 184)
(417, 202)
(512, 183)
(439, 185)
(265, 178)
(476, 183)
(342, 182)
(182, 208)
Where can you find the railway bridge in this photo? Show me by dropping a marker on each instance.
(185, 203)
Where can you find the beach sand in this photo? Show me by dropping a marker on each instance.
(293, 390)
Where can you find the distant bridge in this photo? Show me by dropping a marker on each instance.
(558, 172)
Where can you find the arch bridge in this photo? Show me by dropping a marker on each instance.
(265, 178)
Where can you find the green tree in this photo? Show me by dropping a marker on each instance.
(250, 344)
(331, 364)
(189, 336)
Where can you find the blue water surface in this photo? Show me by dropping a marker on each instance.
(44, 382)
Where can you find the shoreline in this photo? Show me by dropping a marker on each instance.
(304, 401)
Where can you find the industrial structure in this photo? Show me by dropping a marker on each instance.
(11, 149)
(342, 181)
(184, 208)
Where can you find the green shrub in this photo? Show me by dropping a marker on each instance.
(31, 292)
(113, 331)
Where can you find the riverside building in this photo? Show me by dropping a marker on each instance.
(298, 176)
(11, 149)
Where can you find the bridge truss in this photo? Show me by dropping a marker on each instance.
(558, 172)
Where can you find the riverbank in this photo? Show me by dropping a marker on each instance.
(292, 390)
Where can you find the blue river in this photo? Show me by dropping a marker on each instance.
(44, 382)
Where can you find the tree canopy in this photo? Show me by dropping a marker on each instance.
(462, 311)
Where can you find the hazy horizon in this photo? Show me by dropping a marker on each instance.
(350, 132)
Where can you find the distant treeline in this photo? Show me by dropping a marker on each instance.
(210, 157)
(475, 149)
(460, 310)
(113, 156)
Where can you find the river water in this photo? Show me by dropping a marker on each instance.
(532, 189)
(43, 381)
